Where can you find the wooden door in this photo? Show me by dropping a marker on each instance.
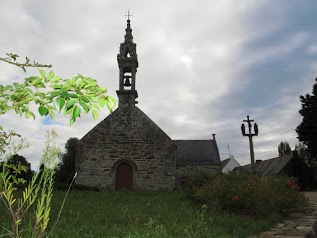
(124, 176)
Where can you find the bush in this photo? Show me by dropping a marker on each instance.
(195, 181)
(251, 194)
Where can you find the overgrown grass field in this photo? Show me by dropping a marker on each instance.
(141, 214)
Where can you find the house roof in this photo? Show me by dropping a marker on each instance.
(268, 167)
(196, 152)
(224, 162)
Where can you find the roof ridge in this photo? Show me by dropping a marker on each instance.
(193, 140)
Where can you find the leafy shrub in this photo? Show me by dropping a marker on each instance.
(251, 194)
(195, 180)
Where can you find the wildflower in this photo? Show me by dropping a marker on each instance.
(236, 198)
(289, 183)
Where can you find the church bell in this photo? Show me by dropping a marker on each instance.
(127, 82)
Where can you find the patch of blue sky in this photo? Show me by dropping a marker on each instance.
(47, 121)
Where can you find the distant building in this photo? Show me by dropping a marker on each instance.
(229, 164)
(291, 165)
(128, 150)
(196, 156)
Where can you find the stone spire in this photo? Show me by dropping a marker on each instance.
(128, 38)
(128, 64)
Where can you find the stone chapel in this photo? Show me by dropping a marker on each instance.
(128, 150)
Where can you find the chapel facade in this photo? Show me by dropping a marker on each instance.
(128, 150)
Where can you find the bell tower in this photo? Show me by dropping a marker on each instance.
(128, 64)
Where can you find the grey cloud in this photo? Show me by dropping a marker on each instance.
(196, 63)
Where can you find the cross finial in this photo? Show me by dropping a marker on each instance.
(128, 15)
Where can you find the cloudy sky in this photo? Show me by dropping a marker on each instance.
(203, 65)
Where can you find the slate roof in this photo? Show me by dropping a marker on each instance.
(196, 152)
(268, 167)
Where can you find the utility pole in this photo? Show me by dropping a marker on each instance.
(250, 135)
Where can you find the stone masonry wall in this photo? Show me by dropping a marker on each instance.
(127, 135)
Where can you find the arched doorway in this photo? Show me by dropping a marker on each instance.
(124, 176)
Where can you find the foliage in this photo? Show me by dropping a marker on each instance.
(252, 195)
(8, 155)
(53, 94)
(6, 143)
(307, 129)
(304, 154)
(284, 148)
(51, 152)
(66, 168)
(195, 181)
(37, 195)
(145, 214)
(14, 161)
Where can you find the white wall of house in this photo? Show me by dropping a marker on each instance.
(230, 165)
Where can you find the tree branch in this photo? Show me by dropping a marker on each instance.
(26, 64)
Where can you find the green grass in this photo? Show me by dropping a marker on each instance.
(142, 214)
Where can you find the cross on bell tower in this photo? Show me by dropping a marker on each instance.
(128, 64)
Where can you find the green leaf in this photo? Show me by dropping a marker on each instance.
(103, 89)
(29, 114)
(42, 72)
(55, 93)
(43, 110)
(73, 95)
(70, 104)
(68, 112)
(31, 79)
(94, 114)
(59, 104)
(85, 99)
(39, 85)
(51, 74)
(95, 106)
(56, 86)
(75, 114)
(84, 106)
(36, 81)
(74, 79)
(90, 85)
(102, 102)
(28, 90)
(56, 78)
(72, 121)
(52, 114)
(111, 103)
(7, 87)
(16, 85)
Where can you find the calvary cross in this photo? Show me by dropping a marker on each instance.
(128, 15)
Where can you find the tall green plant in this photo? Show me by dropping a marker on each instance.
(37, 193)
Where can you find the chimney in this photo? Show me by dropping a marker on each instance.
(258, 161)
